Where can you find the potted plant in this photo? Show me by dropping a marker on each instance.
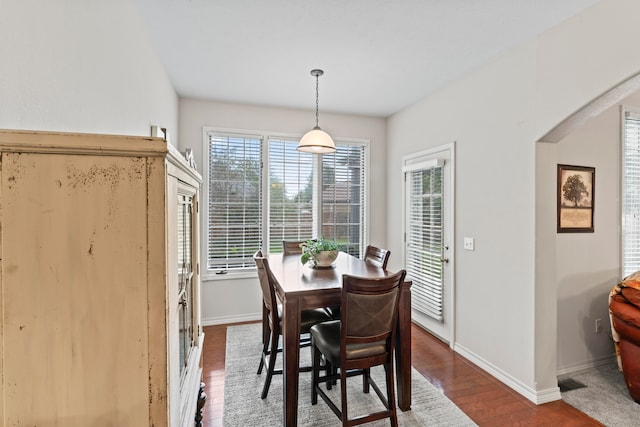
(321, 252)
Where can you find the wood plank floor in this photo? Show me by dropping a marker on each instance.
(487, 401)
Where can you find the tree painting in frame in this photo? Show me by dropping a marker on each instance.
(576, 197)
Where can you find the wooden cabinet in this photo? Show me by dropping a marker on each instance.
(99, 302)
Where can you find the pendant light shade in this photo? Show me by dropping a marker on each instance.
(316, 140)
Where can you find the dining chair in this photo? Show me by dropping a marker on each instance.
(273, 320)
(377, 256)
(373, 255)
(364, 337)
(292, 247)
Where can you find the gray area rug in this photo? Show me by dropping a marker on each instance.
(242, 387)
(604, 397)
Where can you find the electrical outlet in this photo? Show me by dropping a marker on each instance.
(468, 243)
(598, 326)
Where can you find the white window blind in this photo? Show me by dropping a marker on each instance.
(424, 239)
(631, 192)
(307, 196)
(290, 193)
(344, 197)
(235, 201)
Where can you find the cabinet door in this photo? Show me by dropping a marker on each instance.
(183, 303)
(186, 291)
(74, 318)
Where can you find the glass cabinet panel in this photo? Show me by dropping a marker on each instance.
(185, 276)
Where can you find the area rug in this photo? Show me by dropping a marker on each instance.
(242, 387)
(604, 396)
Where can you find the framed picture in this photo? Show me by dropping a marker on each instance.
(576, 197)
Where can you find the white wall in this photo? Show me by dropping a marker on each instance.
(88, 66)
(239, 299)
(494, 204)
(576, 63)
(588, 264)
(505, 305)
(81, 66)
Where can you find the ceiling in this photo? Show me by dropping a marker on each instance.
(379, 56)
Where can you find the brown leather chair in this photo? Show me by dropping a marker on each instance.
(363, 338)
(272, 327)
(373, 255)
(377, 256)
(624, 308)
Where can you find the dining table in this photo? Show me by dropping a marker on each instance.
(301, 287)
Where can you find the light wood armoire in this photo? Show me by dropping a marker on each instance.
(100, 309)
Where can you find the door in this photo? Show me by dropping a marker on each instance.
(429, 239)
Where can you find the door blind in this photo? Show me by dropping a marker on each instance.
(425, 240)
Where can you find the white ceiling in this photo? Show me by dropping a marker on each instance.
(379, 56)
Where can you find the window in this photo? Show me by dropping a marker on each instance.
(343, 197)
(290, 193)
(235, 201)
(303, 196)
(630, 191)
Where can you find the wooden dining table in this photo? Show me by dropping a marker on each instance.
(301, 287)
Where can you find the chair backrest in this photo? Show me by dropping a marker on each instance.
(369, 313)
(292, 247)
(266, 281)
(377, 256)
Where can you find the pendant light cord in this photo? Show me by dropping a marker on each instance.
(317, 100)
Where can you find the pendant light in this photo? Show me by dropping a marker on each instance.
(316, 140)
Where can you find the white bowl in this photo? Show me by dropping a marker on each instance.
(325, 258)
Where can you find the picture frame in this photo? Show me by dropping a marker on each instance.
(576, 198)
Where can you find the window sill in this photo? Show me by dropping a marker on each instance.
(212, 277)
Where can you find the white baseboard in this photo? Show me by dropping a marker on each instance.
(537, 397)
(210, 321)
(600, 361)
(548, 395)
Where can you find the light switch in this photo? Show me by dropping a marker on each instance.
(469, 243)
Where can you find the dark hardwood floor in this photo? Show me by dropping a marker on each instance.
(487, 401)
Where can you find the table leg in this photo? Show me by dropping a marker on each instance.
(291, 353)
(403, 349)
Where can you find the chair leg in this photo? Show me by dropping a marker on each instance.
(315, 368)
(273, 352)
(343, 395)
(265, 347)
(334, 371)
(391, 397)
(329, 371)
(365, 380)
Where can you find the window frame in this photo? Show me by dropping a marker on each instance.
(209, 274)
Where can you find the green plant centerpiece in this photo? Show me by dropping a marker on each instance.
(321, 252)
